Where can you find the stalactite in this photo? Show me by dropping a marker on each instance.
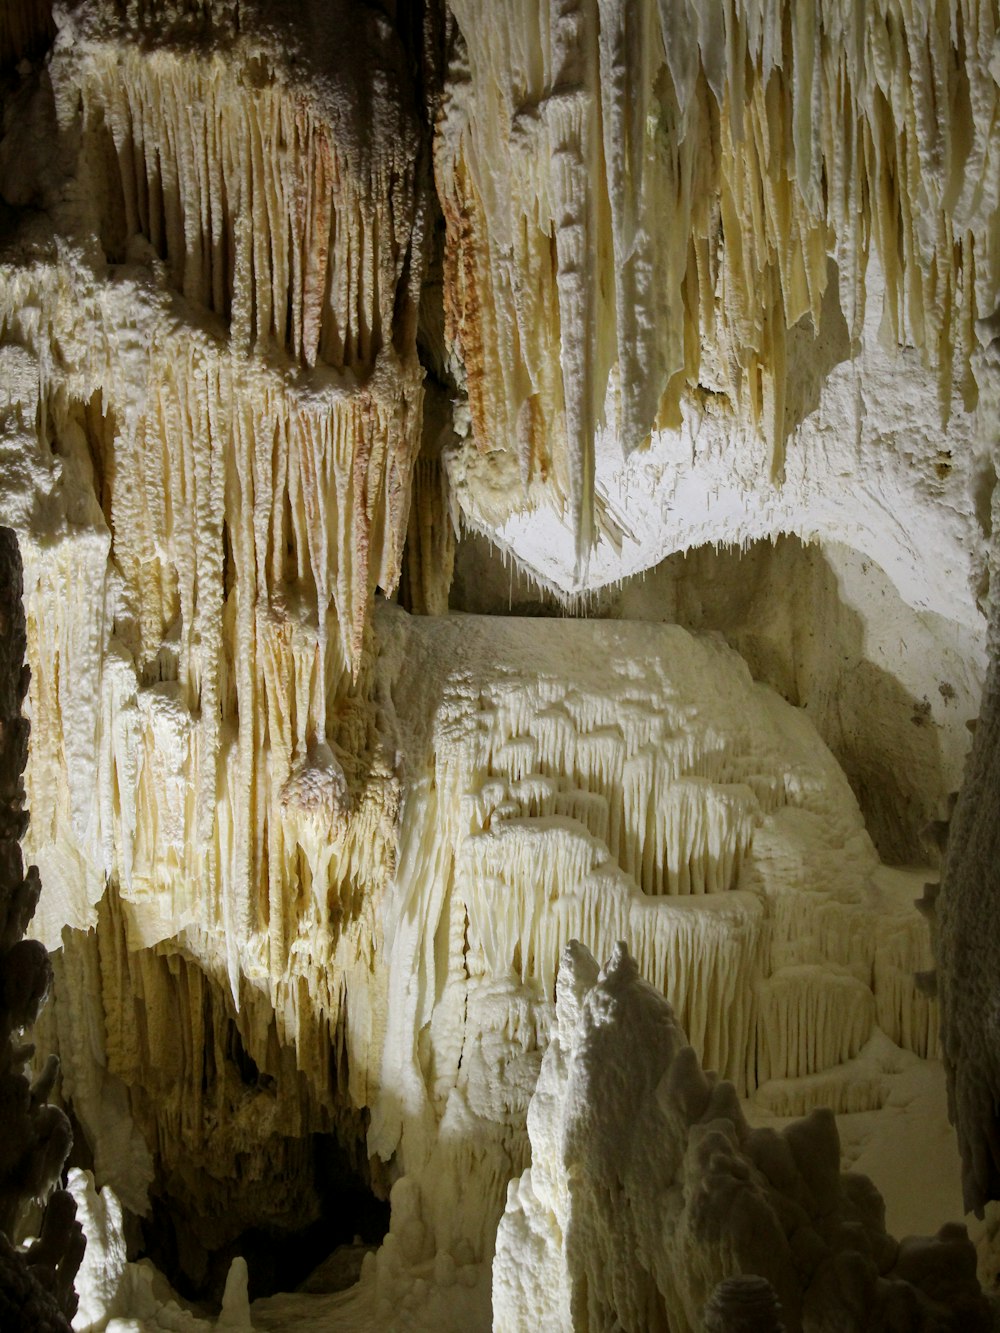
(201, 150)
(770, 138)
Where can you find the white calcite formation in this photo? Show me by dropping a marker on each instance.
(648, 1189)
(687, 243)
(117, 1296)
(290, 296)
(200, 565)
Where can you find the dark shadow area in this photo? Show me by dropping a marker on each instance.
(281, 1254)
(26, 30)
(252, 1157)
(488, 582)
(812, 356)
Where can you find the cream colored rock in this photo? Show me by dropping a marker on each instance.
(648, 207)
(648, 1190)
(117, 1296)
(708, 274)
(575, 781)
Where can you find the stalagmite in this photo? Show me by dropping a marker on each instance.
(648, 1191)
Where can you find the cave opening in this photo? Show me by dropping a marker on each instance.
(321, 1256)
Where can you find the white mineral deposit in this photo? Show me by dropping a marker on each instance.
(504, 495)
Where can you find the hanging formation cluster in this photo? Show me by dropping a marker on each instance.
(643, 199)
(217, 441)
(211, 413)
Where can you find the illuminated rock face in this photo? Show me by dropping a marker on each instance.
(648, 1190)
(671, 223)
(600, 782)
(212, 797)
(703, 274)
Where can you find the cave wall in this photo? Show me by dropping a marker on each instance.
(282, 317)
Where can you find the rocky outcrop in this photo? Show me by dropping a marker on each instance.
(648, 1189)
(965, 911)
(36, 1282)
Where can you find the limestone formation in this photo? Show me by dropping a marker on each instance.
(325, 324)
(36, 1280)
(964, 912)
(648, 1191)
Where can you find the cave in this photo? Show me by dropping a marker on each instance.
(498, 671)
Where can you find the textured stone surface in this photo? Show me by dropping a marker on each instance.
(36, 1283)
(293, 296)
